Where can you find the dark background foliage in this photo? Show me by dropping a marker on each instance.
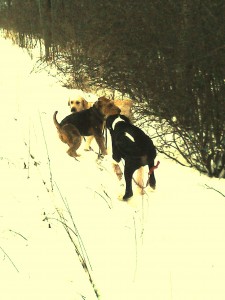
(166, 55)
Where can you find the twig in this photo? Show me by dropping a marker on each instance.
(136, 250)
(29, 154)
(171, 287)
(103, 197)
(79, 249)
(46, 147)
(80, 257)
(143, 216)
(9, 259)
(18, 234)
(211, 188)
(76, 232)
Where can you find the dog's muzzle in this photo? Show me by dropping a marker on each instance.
(73, 109)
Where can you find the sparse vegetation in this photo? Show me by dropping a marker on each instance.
(168, 57)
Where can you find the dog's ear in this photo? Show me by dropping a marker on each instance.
(90, 104)
(69, 102)
(99, 103)
(84, 104)
(103, 99)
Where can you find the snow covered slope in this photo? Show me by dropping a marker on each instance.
(167, 245)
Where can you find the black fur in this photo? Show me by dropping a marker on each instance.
(88, 121)
(134, 146)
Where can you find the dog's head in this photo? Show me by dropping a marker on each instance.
(111, 121)
(106, 107)
(125, 105)
(77, 104)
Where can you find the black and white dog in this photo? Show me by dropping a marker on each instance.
(134, 146)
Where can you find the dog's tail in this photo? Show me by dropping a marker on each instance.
(151, 169)
(57, 125)
(151, 180)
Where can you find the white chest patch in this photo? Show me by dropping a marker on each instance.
(129, 136)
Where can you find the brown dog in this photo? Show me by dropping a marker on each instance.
(85, 123)
(80, 104)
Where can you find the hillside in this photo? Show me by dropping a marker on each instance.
(167, 245)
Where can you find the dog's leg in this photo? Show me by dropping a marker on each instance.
(72, 138)
(72, 151)
(128, 173)
(117, 170)
(140, 180)
(88, 142)
(101, 143)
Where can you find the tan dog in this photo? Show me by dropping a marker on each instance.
(85, 123)
(78, 104)
(125, 106)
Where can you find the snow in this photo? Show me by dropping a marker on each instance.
(168, 244)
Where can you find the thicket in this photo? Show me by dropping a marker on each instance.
(166, 55)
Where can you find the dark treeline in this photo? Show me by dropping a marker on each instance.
(167, 55)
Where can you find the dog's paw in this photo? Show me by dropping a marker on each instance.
(120, 198)
(100, 158)
(127, 196)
